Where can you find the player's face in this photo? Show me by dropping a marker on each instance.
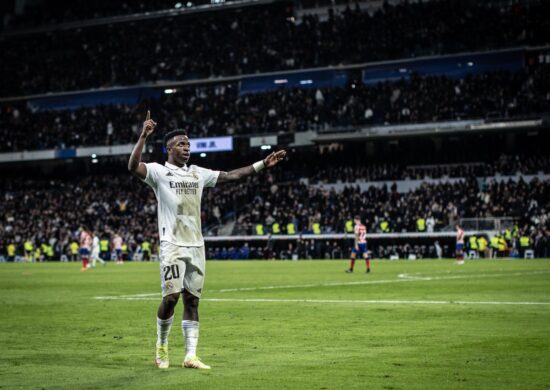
(179, 149)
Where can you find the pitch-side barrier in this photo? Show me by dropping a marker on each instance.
(340, 236)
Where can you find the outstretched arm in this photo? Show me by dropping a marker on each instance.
(237, 174)
(135, 166)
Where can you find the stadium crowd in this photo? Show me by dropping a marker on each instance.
(55, 209)
(218, 43)
(221, 110)
(336, 167)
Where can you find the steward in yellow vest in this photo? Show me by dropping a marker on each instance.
(473, 243)
(290, 228)
(421, 224)
(316, 228)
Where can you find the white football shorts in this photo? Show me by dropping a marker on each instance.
(181, 267)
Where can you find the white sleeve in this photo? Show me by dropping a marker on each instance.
(152, 174)
(208, 176)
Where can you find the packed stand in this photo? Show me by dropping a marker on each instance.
(221, 110)
(336, 168)
(55, 209)
(259, 39)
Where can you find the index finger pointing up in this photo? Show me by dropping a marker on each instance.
(148, 115)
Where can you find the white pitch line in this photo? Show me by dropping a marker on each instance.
(403, 278)
(370, 301)
(381, 281)
(373, 301)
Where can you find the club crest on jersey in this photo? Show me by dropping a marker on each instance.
(169, 174)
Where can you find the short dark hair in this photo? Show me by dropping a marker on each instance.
(172, 134)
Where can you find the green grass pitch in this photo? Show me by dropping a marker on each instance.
(283, 325)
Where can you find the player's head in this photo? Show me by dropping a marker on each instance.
(357, 219)
(457, 226)
(176, 143)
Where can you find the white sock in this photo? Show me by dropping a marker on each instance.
(163, 330)
(191, 334)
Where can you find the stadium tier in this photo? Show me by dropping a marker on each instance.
(220, 44)
(62, 11)
(314, 200)
(223, 109)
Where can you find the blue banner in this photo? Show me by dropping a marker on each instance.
(130, 96)
(454, 66)
(308, 79)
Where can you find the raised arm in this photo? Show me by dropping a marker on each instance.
(240, 173)
(135, 166)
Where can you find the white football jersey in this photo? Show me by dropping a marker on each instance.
(179, 194)
(95, 243)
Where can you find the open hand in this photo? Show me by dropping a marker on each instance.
(148, 126)
(274, 158)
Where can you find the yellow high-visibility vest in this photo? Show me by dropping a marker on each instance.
(11, 249)
(146, 246)
(49, 250)
(290, 228)
(28, 245)
(104, 245)
(74, 248)
(276, 228)
(421, 224)
(524, 241)
(349, 226)
(259, 229)
(384, 226)
(316, 228)
(508, 234)
(494, 242)
(502, 244)
(482, 243)
(124, 248)
(473, 242)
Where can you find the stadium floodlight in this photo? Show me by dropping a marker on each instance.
(94, 155)
(95, 160)
(203, 155)
(281, 81)
(178, 5)
(470, 64)
(265, 147)
(170, 90)
(304, 82)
